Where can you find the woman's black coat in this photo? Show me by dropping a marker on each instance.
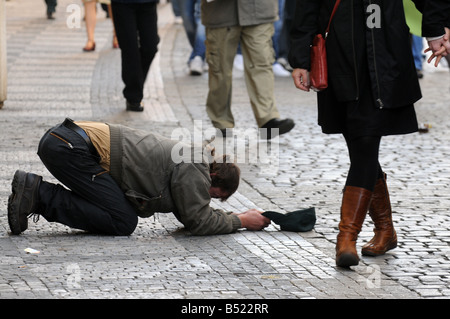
(391, 67)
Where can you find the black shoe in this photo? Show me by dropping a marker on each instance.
(224, 132)
(419, 73)
(135, 107)
(276, 127)
(23, 201)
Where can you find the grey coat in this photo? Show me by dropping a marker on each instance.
(229, 13)
(154, 180)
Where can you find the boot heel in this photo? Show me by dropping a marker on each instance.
(347, 259)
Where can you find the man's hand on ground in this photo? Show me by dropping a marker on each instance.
(253, 220)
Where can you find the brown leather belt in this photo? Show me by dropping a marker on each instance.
(72, 126)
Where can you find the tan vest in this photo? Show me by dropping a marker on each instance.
(100, 137)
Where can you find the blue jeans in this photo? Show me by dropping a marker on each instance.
(195, 30)
(94, 202)
(417, 49)
(287, 18)
(278, 25)
(176, 7)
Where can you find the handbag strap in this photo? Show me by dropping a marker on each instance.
(336, 5)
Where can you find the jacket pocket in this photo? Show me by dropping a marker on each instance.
(145, 206)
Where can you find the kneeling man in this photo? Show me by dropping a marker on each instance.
(114, 174)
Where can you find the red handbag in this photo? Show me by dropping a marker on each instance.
(319, 70)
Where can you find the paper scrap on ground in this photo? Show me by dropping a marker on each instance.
(31, 251)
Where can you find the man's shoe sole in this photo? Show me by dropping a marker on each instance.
(14, 200)
(286, 127)
(266, 133)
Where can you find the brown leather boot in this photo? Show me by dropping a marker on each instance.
(381, 213)
(355, 203)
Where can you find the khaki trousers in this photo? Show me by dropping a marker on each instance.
(257, 51)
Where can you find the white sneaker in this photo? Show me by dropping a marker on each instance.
(278, 70)
(178, 20)
(285, 64)
(196, 66)
(239, 62)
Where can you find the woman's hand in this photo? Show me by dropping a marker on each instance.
(439, 47)
(301, 79)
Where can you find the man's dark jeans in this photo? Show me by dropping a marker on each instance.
(94, 202)
(137, 32)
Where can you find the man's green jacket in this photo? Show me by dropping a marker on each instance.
(153, 176)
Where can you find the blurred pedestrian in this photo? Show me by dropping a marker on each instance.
(109, 184)
(90, 16)
(417, 51)
(176, 8)
(51, 8)
(278, 69)
(283, 44)
(137, 32)
(414, 22)
(195, 31)
(229, 23)
(372, 87)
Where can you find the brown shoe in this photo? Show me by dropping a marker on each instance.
(89, 47)
(355, 203)
(381, 213)
(23, 201)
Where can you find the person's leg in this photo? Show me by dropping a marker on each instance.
(199, 44)
(417, 49)
(125, 23)
(92, 200)
(197, 64)
(189, 23)
(288, 12)
(147, 26)
(366, 172)
(51, 8)
(91, 19)
(176, 7)
(278, 25)
(364, 165)
(380, 212)
(115, 44)
(221, 46)
(364, 169)
(257, 50)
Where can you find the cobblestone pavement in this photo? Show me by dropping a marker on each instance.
(50, 78)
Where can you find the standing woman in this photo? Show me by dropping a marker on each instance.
(372, 87)
(136, 27)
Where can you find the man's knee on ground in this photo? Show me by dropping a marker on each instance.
(127, 227)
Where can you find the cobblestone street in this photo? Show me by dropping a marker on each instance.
(50, 78)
